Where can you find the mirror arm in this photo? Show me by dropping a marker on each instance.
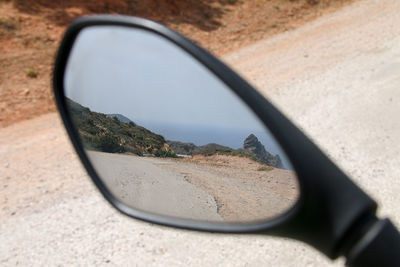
(330, 204)
(378, 246)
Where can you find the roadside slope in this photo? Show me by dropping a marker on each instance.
(30, 32)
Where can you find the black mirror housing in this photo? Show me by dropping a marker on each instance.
(331, 213)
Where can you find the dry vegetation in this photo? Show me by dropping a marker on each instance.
(31, 30)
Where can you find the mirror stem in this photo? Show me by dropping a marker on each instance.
(378, 246)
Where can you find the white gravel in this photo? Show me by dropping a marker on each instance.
(339, 80)
(336, 77)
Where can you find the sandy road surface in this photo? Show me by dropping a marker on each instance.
(336, 77)
(242, 190)
(144, 184)
(213, 188)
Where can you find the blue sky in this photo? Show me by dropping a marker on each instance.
(153, 82)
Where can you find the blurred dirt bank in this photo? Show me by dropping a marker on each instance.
(30, 31)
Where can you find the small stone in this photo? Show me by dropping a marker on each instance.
(26, 92)
(7, 165)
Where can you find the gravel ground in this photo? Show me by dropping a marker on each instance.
(336, 78)
(208, 188)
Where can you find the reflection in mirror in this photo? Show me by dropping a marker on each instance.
(166, 136)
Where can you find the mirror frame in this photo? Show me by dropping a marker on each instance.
(330, 205)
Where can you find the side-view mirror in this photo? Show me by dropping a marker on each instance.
(171, 135)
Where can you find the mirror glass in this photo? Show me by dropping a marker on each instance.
(166, 136)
